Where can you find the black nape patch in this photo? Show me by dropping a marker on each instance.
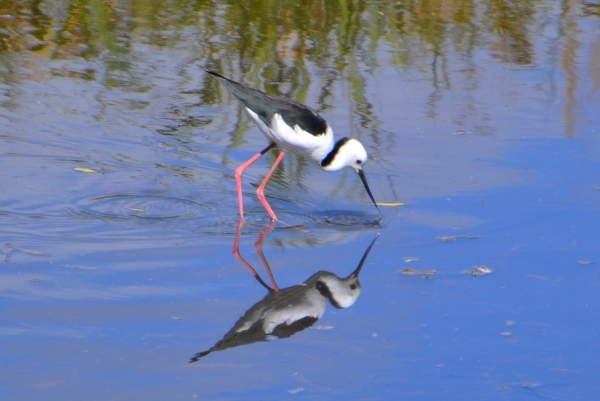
(326, 292)
(331, 155)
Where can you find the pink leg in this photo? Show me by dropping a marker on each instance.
(261, 188)
(236, 250)
(238, 176)
(238, 256)
(258, 247)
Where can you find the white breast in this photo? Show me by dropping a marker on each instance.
(295, 139)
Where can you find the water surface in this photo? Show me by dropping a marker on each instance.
(118, 210)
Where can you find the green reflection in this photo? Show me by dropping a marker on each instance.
(275, 38)
(288, 47)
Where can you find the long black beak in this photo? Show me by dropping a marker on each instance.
(356, 272)
(363, 178)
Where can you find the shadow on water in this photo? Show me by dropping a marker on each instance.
(285, 312)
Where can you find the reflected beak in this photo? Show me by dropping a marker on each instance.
(361, 174)
(356, 272)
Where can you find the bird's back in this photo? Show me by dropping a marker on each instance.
(265, 106)
(279, 314)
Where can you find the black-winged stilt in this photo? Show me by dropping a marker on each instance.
(294, 128)
(284, 312)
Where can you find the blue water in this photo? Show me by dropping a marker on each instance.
(112, 280)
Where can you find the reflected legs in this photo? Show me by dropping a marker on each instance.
(258, 246)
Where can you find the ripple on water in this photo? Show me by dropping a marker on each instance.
(329, 218)
(344, 218)
(126, 206)
(164, 219)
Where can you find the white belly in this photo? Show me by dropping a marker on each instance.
(295, 140)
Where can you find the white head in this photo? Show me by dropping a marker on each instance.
(342, 293)
(347, 152)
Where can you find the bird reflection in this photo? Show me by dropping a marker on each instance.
(284, 312)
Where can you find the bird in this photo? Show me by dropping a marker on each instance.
(293, 128)
(285, 312)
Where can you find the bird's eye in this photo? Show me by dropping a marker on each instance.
(353, 287)
(358, 161)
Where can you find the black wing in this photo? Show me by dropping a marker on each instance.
(255, 333)
(265, 106)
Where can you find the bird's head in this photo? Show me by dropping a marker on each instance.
(348, 152)
(356, 155)
(342, 293)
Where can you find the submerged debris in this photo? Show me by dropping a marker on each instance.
(81, 267)
(390, 204)
(484, 269)
(406, 271)
(85, 169)
(479, 271)
(450, 238)
(473, 273)
(9, 247)
(325, 327)
(585, 262)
